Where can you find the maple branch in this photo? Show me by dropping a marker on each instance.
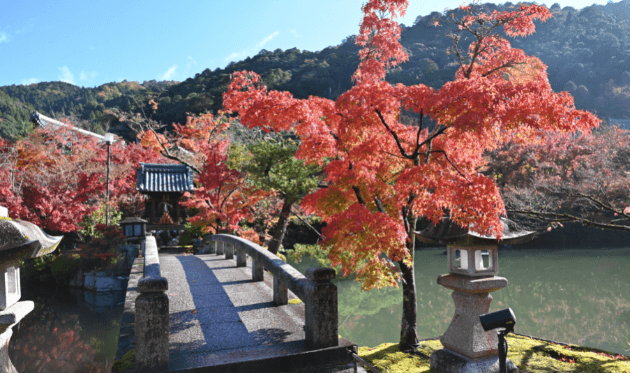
(449, 161)
(405, 218)
(379, 205)
(607, 207)
(480, 35)
(436, 132)
(305, 222)
(178, 159)
(402, 151)
(427, 155)
(415, 152)
(507, 64)
(570, 218)
(358, 193)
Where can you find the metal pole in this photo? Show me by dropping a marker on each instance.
(503, 349)
(107, 216)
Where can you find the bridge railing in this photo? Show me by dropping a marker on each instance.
(315, 290)
(152, 313)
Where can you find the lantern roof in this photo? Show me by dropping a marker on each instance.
(21, 239)
(448, 232)
(132, 220)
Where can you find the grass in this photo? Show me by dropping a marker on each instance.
(529, 355)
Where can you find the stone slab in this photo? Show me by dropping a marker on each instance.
(472, 285)
(89, 281)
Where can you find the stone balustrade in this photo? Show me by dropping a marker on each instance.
(315, 290)
(152, 313)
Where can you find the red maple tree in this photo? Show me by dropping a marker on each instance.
(385, 175)
(54, 178)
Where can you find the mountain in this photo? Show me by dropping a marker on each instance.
(587, 52)
(17, 102)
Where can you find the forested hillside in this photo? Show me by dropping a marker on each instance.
(587, 53)
(60, 99)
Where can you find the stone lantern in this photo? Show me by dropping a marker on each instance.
(134, 228)
(18, 240)
(473, 264)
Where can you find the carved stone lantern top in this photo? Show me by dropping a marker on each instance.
(21, 239)
(472, 254)
(18, 240)
(447, 232)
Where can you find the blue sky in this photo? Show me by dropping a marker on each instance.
(89, 43)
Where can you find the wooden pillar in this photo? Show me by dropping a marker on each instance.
(176, 208)
(152, 210)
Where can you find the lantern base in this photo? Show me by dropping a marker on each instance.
(448, 361)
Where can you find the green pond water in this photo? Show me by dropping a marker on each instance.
(69, 331)
(574, 296)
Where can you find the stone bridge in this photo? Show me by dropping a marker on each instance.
(220, 311)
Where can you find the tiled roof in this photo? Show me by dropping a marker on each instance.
(44, 121)
(164, 178)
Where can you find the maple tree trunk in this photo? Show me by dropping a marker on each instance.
(281, 227)
(408, 335)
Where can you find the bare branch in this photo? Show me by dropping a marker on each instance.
(552, 217)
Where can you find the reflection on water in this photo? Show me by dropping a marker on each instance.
(572, 296)
(69, 331)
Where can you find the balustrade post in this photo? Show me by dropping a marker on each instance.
(220, 246)
(213, 247)
(241, 258)
(321, 316)
(280, 292)
(229, 251)
(257, 271)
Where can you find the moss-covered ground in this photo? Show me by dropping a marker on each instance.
(128, 361)
(529, 355)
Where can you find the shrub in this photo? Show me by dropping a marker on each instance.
(99, 216)
(64, 267)
(191, 232)
(38, 269)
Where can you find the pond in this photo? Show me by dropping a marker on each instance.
(69, 331)
(572, 296)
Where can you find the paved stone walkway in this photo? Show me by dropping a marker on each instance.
(218, 315)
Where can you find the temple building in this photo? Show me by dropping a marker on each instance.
(164, 185)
